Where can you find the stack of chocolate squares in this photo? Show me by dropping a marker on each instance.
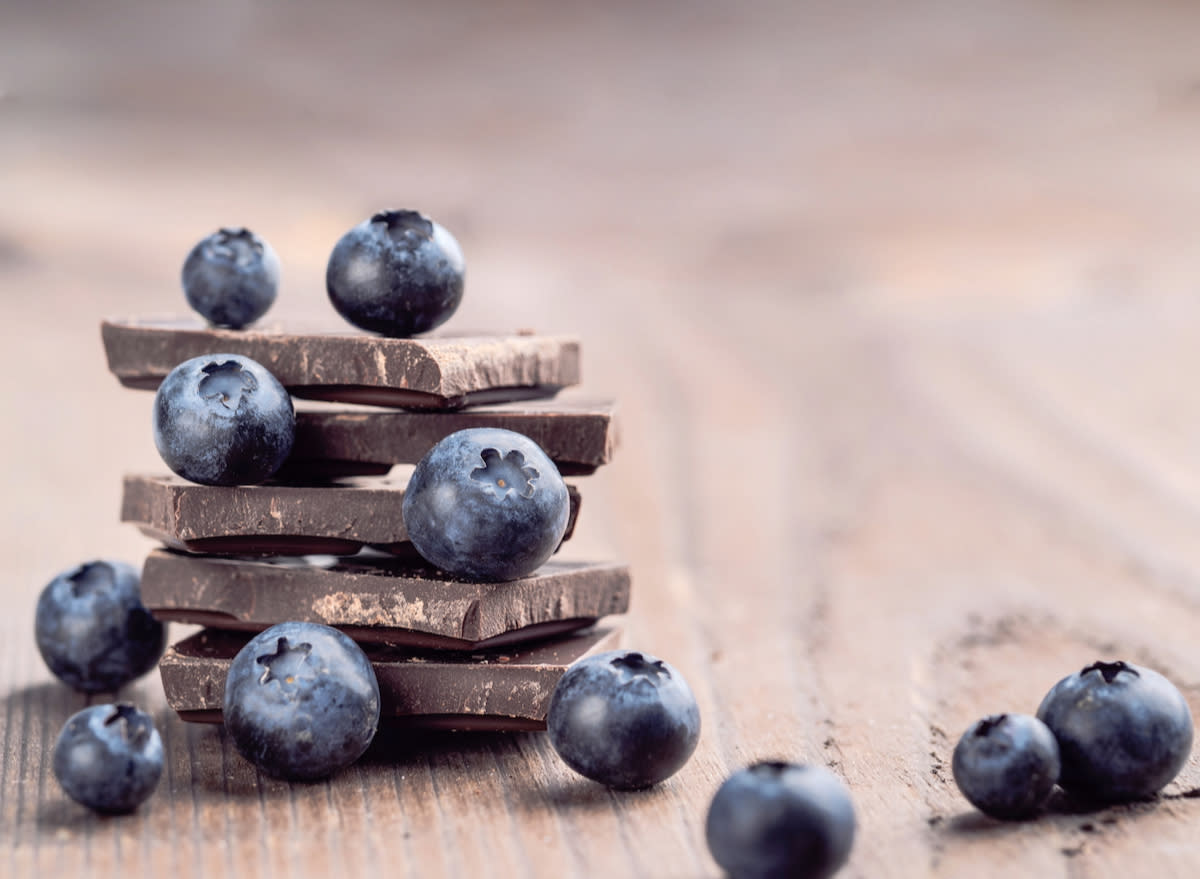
(324, 541)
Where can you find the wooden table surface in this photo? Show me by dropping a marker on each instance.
(900, 302)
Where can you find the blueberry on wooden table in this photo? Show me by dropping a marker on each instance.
(486, 504)
(1006, 765)
(109, 757)
(397, 273)
(1124, 731)
(223, 419)
(231, 277)
(301, 701)
(624, 719)
(777, 820)
(92, 629)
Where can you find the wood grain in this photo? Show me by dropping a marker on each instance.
(899, 309)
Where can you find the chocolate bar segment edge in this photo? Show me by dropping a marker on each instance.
(444, 372)
(381, 599)
(495, 688)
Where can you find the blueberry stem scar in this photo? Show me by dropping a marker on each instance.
(288, 655)
(1110, 670)
(89, 577)
(404, 224)
(506, 473)
(226, 381)
(636, 664)
(127, 716)
(985, 726)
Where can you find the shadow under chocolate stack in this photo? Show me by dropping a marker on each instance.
(324, 540)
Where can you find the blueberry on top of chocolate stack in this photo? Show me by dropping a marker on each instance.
(397, 273)
(231, 277)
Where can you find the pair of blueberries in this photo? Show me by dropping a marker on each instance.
(397, 273)
(629, 720)
(301, 702)
(1114, 732)
(95, 635)
(484, 503)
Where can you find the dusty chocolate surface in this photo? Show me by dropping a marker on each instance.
(505, 688)
(438, 371)
(338, 519)
(578, 435)
(382, 599)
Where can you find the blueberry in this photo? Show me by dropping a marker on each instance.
(624, 719)
(301, 701)
(397, 273)
(231, 277)
(223, 419)
(1006, 765)
(109, 757)
(776, 820)
(92, 629)
(486, 504)
(1124, 731)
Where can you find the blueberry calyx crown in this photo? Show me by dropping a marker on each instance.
(226, 383)
(505, 474)
(635, 665)
(133, 725)
(285, 663)
(237, 245)
(90, 577)
(1110, 670)
(770, 768)
(405, 227)
(984, 728)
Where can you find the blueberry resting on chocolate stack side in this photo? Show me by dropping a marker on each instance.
(625, 719)
(486, 504)
(301, 701)
(223, 419)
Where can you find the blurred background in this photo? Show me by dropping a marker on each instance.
(745, 167)
(729, 202)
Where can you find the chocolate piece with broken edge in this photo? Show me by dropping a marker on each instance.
(381, 599)
(438, 372)
(505, 689)
(338, 519)
(578, 435)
